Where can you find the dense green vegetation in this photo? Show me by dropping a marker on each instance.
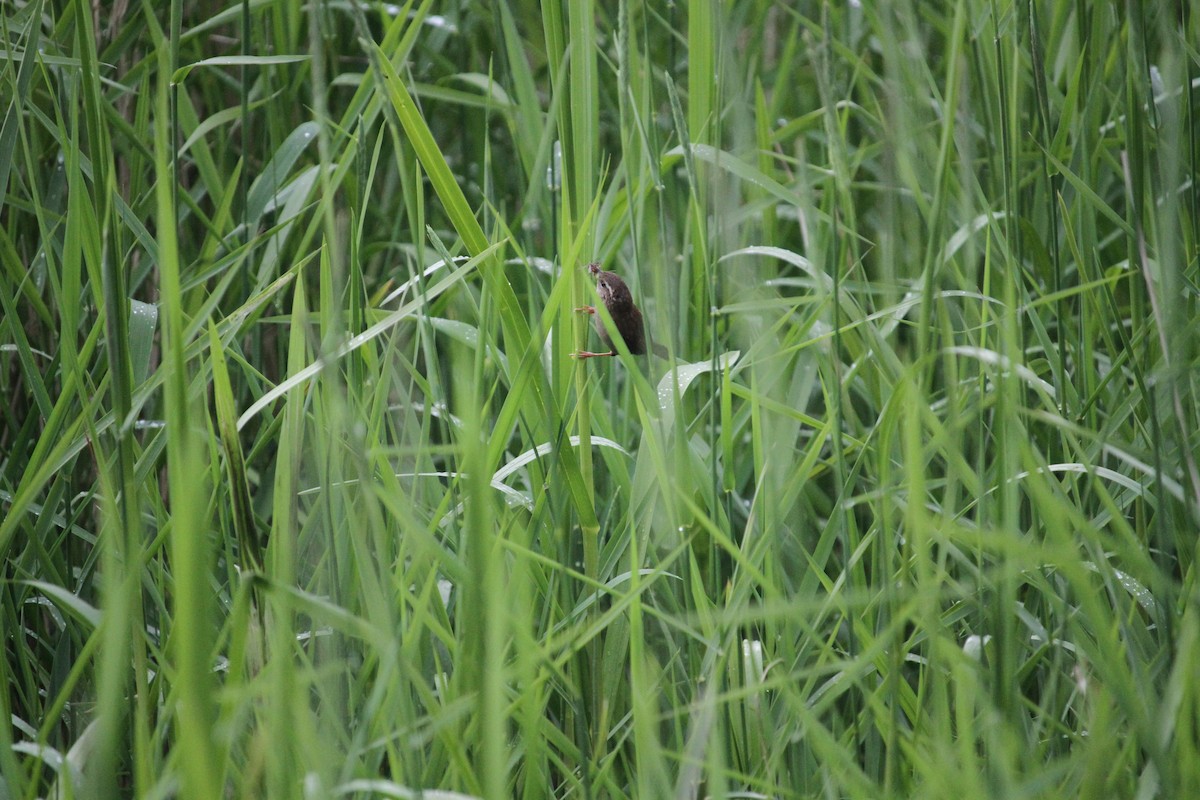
(302, 494)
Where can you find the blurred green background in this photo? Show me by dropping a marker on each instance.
(302, 495)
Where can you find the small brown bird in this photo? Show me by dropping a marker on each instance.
(625, 316)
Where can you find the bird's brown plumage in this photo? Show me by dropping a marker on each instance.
(626, 316)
